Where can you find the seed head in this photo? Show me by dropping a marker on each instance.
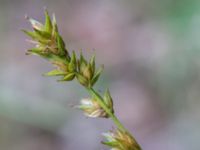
(119, 140)
(88, 75)
(47, 38)
(91, 108)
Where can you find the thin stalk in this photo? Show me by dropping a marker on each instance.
(107, 110)
(112, 115)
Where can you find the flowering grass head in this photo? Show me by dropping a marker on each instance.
(49, 44)
(120, 140)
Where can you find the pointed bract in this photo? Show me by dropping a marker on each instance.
(92, 63)
(48, 23)
(60, 44)
(68, 77)
(73, 63)
(54, 24)
(42, 34)
(96, 75)
(108, 100)
(33, 35)
(55, 73)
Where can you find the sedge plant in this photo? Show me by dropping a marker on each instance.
(49, 44)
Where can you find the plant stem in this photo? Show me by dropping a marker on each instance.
(112, 115)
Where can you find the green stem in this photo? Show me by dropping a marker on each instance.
(109, 112)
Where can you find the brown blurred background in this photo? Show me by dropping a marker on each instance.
(151, 53)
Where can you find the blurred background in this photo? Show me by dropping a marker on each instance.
(151, 53)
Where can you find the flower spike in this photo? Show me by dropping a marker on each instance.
(49, 44)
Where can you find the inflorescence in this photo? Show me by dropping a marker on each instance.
(50, 45)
